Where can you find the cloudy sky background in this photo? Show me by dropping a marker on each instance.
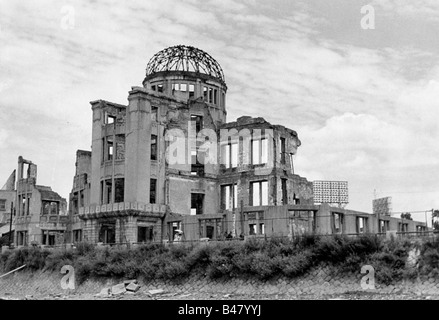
(363, 101)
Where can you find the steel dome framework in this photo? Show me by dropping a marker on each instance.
(185, 58)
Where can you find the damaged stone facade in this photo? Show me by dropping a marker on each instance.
(237, 179)
(39, 214)
(137, 195)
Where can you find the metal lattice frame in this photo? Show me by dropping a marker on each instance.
(185, 58)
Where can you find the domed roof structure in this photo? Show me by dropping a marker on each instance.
(185, 58)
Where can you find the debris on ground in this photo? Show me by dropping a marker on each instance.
(106, 292)
(118, 289)
(156, 292)
(133, 287)
(128, 286)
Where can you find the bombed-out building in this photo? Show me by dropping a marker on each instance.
(169, 161)
(39, 214)
(7, 200)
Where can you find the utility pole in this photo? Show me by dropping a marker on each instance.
(10, 224)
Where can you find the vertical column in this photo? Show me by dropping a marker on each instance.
(96, 155)
(118, 231)
(138, 150)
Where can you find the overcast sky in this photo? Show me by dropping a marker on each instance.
(365, 102)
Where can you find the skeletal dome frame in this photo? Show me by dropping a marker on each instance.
(185, 58)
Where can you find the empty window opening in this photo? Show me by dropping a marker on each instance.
(28, 205)
(210, 95)
(252, 229)
(50, 207)
(259, 193)
(75, 203)
(81, 198)
(120, 147)
(197, 200)
(210, 231)
(77, 235)
(152, 191)
(160, 88)
(282, 151)
(384, 226)
(106, 191)
(107, 232)
(145, 234)
(262, 228)
(110, 149)
(102, 191)
(197, 123)
(403, 227)
(109, 118)
(260, 151)
(191, 91)
(197, 168)
(153, 147)
(205, 93)
(284, 192)
(361, 225)
(337, 223)
(153, 88)
(230, 155)
(174, 228)
(229, 197)
(23, 201)
(119, 190)
(154, 113)
(22, 238)
(296, 200)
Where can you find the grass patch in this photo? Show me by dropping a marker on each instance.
(235, 259)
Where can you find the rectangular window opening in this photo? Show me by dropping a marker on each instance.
(191, 91)
(154, 113)
(119, 190)
(259, 193)
(284, 192)
(197, 201)
(229, 197)
(152, 191)
(153, 147)
(144, 234)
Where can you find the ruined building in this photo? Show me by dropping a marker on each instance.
(169, 161)
(7, 200)
(39, 215)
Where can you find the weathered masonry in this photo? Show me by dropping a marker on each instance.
(39, 215)
(168, 161)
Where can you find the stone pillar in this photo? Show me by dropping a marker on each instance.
(131, 229)
(96, 157)
(137, 148)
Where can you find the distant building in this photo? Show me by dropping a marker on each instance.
(39, 214)
(7, 199)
